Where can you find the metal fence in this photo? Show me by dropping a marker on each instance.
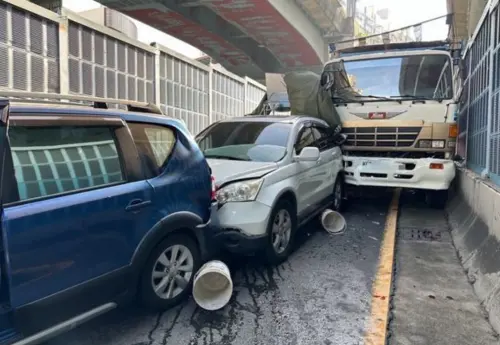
(184, 89)
(46, 52)
(29, 50)
(479, 114)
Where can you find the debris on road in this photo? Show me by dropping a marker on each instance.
(212, 285)
(333, 222)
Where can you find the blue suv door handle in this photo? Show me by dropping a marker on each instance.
(137, 204)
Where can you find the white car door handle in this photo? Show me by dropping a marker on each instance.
(319, 161)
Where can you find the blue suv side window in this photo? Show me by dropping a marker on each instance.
(54, 160)
(154, 143)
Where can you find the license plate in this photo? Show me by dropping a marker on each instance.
(382, 165)
(375, 164)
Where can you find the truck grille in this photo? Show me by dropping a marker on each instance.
(381, 136)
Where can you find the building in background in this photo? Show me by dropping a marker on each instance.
(371, 20)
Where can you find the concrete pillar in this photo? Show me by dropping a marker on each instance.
(476, 8)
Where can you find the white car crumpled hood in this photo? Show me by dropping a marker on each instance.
(225, 170)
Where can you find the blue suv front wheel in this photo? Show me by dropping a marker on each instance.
(168, 274)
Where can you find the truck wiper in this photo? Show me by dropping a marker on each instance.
(418, 98)
(378, 97)
(339, 98)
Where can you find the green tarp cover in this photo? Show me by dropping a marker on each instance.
(307, 97)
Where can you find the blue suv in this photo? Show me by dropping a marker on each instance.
(99, 206)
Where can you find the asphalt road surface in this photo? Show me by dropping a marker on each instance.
(321, 295)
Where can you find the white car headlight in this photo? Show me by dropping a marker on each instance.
(239, 191)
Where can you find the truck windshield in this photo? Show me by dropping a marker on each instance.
(405, 77)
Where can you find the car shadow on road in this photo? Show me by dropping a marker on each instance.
(268, 303)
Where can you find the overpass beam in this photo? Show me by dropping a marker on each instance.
(302, 23)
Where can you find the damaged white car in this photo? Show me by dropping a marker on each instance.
(272, 174)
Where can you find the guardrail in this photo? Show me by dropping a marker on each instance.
(479, 112)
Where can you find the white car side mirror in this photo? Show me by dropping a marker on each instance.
(308, 154)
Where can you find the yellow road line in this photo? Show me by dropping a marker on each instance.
(376, 332)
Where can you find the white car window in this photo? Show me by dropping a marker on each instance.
(305, 138)
(323, 138)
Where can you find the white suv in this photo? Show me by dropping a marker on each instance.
(272, 175)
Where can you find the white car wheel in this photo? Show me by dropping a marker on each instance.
(281, 230)
(338, 194)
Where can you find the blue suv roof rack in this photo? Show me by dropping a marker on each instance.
(97, 102)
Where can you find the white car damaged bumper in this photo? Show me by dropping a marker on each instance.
(423, 173)
(243, 226)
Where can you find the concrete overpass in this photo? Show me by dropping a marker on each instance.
(466, 15)
(248, 37)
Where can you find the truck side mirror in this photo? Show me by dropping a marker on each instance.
(327, 79)
(462, 67)
(340, 139)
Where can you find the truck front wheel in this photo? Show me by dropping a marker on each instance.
(436, 198)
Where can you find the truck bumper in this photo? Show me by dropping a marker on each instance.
(423, 173)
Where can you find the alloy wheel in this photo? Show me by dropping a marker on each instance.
(172, 271)
(281, 231)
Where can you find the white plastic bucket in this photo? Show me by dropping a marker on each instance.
(333, 222)
(212, 285)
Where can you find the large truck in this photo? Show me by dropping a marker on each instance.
(396, 104)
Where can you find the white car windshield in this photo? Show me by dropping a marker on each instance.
(245, 140)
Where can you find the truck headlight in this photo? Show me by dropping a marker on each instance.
(434, 144)
(438, 144)
(239, 191)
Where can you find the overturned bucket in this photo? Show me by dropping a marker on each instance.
(333, 222)
(212, 285)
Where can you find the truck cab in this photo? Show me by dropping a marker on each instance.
(396, 104)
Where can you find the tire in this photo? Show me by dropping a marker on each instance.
(187, 248)
(276, 254)
(338, 195)
(436, 198)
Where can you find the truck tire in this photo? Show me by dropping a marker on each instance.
(436, 198)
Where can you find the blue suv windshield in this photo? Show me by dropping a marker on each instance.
(246, 141)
